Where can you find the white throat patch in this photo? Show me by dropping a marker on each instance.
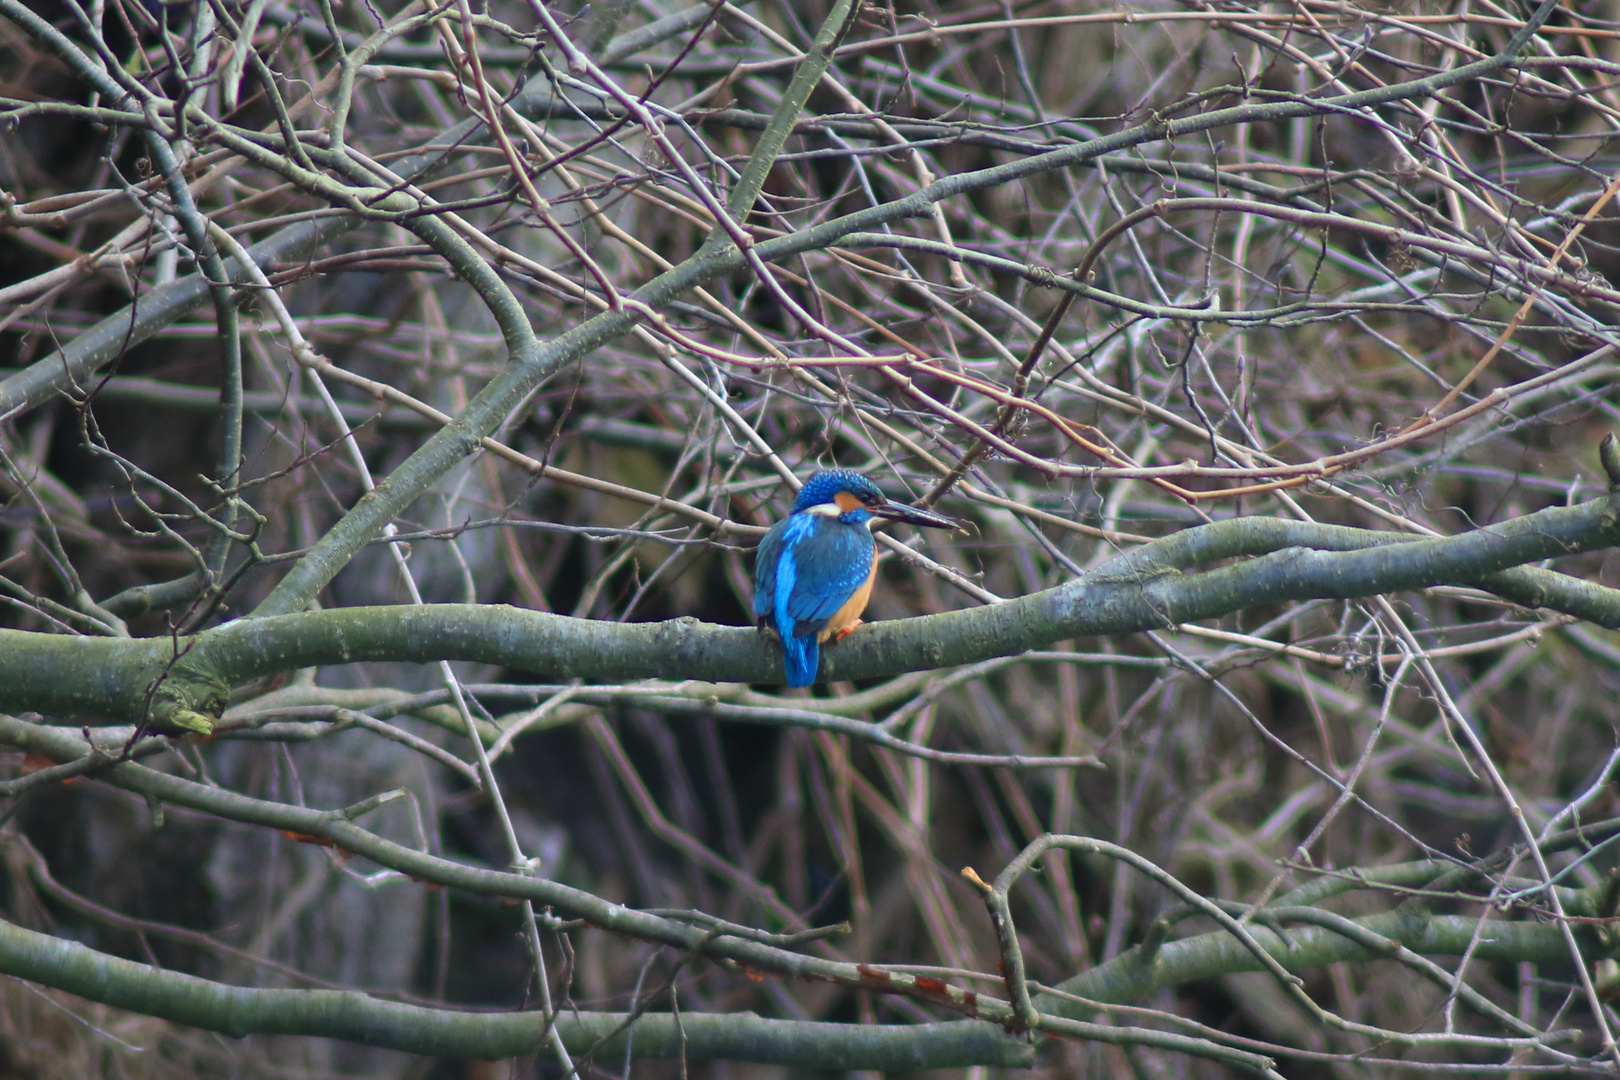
(831, 509)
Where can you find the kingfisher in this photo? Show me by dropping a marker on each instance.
(813, 572)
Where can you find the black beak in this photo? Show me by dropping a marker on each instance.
(914, 515)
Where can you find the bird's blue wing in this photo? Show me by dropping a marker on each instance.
(830, 561)
(766, 558)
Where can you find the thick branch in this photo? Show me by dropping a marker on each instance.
(357, 1017)
(1130, 978)
(1146, 589)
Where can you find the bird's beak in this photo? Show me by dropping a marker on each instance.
(914, 515)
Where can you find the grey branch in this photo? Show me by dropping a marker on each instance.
(1149, 588)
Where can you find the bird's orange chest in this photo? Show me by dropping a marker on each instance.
(848, 617)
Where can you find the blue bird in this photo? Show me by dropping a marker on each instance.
(813, 572)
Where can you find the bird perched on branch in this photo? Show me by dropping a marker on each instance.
(813, 572)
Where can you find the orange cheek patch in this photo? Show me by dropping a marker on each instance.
(846, 502)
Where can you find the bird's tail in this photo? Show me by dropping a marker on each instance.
(801, 656)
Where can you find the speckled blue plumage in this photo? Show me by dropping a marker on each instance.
(808, 566)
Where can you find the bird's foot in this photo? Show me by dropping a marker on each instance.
(846, 631)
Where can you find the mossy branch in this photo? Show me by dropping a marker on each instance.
(358, 1017)
(1150, 588)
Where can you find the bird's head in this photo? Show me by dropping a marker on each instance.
(851, 497)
